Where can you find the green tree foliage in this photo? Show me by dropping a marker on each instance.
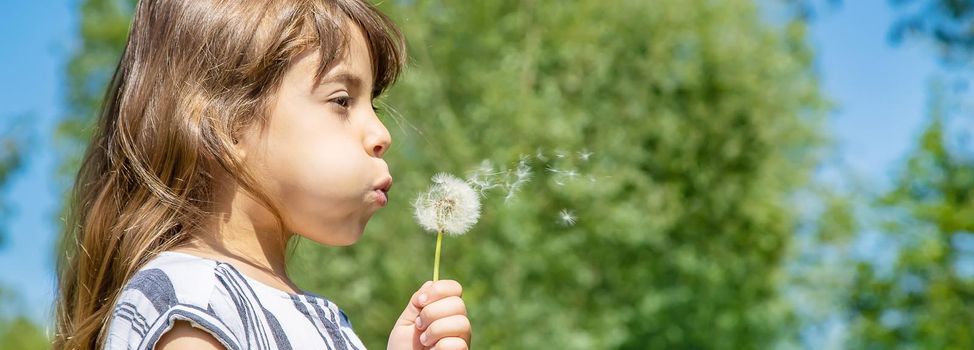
(103, 29)
(22, 333)
(924, 300)
(702, 121)
(16, 330)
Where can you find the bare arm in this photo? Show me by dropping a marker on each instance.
(184, 336)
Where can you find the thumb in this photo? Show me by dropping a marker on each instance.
(408, 316)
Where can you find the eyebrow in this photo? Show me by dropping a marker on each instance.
(351, 80)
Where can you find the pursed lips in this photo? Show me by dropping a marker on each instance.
(382, 191)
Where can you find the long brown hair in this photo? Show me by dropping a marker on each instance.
(194, 73)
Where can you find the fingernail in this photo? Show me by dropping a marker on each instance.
(422, 338)
(422, 298)
(419, 322)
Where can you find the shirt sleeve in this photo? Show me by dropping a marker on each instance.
(148, 307)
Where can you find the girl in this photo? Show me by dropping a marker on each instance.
(229, 127)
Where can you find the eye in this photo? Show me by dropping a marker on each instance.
(343, 101)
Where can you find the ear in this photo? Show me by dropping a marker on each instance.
(239, 150)
(243, 142)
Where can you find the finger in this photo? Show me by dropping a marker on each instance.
(442, 308)
(451, 326)
(436, 291)
(451, 343)
(411, 311)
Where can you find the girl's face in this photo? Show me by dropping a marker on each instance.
(320, 155)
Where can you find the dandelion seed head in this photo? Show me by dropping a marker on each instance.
(566, 217)
(450, 205)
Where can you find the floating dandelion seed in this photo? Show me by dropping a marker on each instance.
(451, 206)
(481, 186)
(523, 169)
(485, 167)
(521, 175)
(480, 178)
(540, 155)
(560, 175)
(485, 177)
(566, 217)
(512, 189)
(584, 155)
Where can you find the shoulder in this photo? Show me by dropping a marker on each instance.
(170, 279)
(171, 287)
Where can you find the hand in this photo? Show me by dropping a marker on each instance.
(435, 318)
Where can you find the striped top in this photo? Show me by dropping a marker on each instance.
(240, 312)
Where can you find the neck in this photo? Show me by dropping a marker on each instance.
(245, 232)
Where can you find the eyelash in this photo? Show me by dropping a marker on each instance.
(345, 101)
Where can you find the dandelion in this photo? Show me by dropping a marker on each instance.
(450, 206)
(566, 217)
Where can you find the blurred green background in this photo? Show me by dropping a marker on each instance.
(690, 139)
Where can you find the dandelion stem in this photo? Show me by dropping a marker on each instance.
(436, 258)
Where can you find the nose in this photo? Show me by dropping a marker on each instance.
(379, 139)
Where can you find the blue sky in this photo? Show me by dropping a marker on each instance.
(880, 89)
(880, 92)
(36, 37)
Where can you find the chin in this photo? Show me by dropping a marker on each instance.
(336, 237)
(346, 242)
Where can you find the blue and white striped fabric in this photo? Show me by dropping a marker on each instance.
(240, 312)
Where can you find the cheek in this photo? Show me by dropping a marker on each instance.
(323, 193)
(320, 165)
(320, 174)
